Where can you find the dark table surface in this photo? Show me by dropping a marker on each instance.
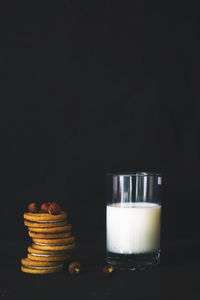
(177, 277)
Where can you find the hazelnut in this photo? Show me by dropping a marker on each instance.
(108, 270)
(75, 268)
(54, 208)
(33, 207)
(45, 207)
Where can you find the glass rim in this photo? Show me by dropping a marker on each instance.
(140, 173)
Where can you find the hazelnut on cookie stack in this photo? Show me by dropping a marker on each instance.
(52, 239)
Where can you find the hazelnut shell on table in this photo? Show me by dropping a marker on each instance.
(108, 270)
(75, 268)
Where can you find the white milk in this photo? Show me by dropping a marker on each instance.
(133, 228)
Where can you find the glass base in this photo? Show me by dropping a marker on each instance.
(133, 261)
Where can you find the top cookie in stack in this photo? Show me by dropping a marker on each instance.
(51, 234)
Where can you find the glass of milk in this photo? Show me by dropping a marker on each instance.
(133, 216)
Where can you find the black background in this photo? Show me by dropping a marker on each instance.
(90, 87)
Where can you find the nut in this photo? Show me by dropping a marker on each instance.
(33, 207)
(75, 268)
(45, 207)
(108, 270)
(54, 208)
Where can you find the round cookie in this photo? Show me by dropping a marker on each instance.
(39, 217)
(53, 247)
(49, 235)
(52, 242)
(40, 267)
(51, 230)
(50, 270)
(45, 224)
(32, 250)
(37, 257)
(30, 263)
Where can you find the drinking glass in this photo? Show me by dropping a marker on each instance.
(133, 219)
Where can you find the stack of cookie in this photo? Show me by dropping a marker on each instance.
(52, 240)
